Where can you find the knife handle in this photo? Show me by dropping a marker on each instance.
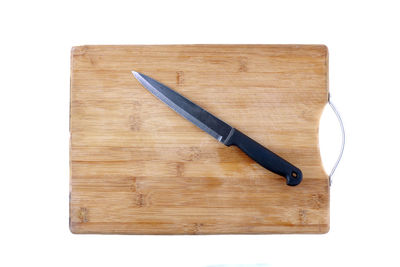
(264, 157)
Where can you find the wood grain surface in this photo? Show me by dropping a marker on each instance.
(136, 167)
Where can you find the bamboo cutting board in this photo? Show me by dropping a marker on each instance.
(137, 167)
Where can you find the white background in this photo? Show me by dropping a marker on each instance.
(363, 42)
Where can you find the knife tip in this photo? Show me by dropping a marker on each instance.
(136, 74)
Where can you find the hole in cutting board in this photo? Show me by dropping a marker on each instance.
(330, 138)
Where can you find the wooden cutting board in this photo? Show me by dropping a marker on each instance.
(136, 167)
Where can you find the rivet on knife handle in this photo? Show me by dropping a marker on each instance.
(220, 130)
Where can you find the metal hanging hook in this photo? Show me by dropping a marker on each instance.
(343, 138)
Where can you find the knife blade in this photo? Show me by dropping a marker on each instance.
(220, 130)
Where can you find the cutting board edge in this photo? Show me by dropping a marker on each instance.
(79, 49)
(317, 229)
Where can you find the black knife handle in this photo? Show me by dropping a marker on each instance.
(264, 157)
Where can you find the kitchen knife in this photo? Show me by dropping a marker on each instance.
(221, 130)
